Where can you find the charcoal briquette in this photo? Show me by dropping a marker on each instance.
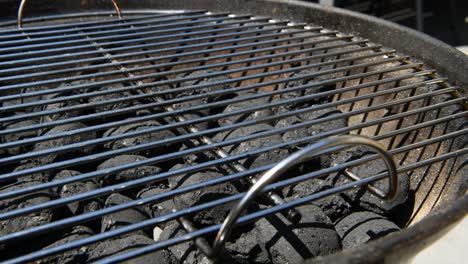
(78, 255)
(111, 96)
(207, 217)
(121, 218)
(243, 105)
(246, 248)
(127, 175)
(288, 242)
(121, 245)
(24, 222)
(39, 176)
(66, 140)
(142, 139)
(75, 188)
(334, 206)
(360, 227)
(364, 199)
(264, 158)
(19, 135)
(156, 209)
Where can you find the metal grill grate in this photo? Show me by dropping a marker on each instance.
(196, 82)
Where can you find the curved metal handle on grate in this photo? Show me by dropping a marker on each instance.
(294, 159)
(23, 3)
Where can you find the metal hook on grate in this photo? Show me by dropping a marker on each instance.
(23, 3)
(294, 159)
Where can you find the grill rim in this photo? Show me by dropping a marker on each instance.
(443, 58)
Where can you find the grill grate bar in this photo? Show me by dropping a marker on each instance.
(210, 66)
(125, 45)
(201, 75)
(172, 193)
(235, 39)
(265, 212)
(49, 36)
(205, 206)
(167, 29)
(212, 117)
(183, 99)
(153, 160)
(74, 25)
(186, 54)
(216, 74)
(204, 46)
(231, 113)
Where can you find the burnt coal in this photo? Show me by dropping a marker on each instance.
(245, 105)
(27, 221)
(206, 90)
(57, 106)
(106, 97)
(158, 208)
(75, 188)
(311, 130)
(367, 201)
(304, 92)
(63, 141)
(288, 242)
(19, 136)
(334, 206)
(199, 80)
(360, 227)
(247, 248)
(142, 139)
(121, 218)
(78, 255)
(264, 158)
(121, 245)
(208, 217)
(184, 252)
(127, 175)
(40, 176)
(27, 99)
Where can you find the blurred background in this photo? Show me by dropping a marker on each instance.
(445, 20)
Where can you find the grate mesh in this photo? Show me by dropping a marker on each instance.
(180, 93)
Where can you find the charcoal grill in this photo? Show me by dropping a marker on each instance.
(198, 69)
